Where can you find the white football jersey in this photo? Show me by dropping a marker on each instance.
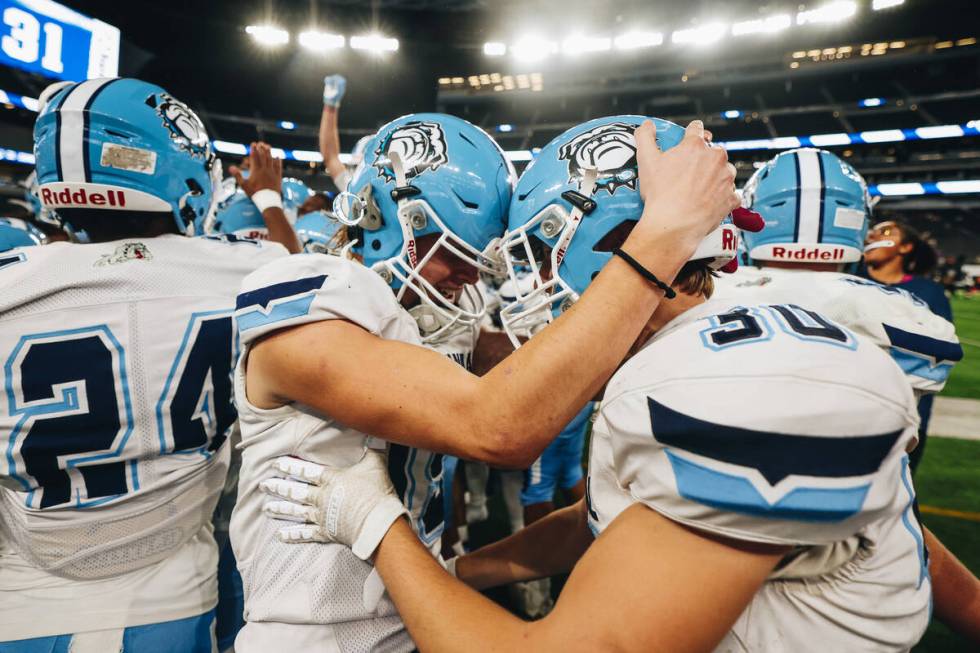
(922, 343)
(320, 594)
(117, 394)
(773, 424)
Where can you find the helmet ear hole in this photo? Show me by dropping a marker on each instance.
(151, 101)
(193, 186)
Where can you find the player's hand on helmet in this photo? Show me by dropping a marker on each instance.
(688, 189)
(354, 506)
(334, 87)
(264, 171)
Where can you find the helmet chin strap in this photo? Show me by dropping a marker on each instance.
(580, 206)
(401, 181)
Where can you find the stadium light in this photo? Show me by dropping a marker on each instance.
(374, 43)
(883, 136)
(505, 128)
(580, 44)
(871, 102)
(633, 40)
(316, 41)
(494, 49)
(830, 13)
(768, 25)
(939, 131)
(701, 35)
(309, 156)
(533, 48)
(905, 188)
(269, 35)
(731, 114)
(964, 186)
(822, 140)
(878, 5)
(287, 124)
(230, 148)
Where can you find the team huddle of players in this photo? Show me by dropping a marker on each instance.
(748, 484)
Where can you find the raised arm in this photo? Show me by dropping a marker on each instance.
(334, 87)
(414, 396)
(265, 177)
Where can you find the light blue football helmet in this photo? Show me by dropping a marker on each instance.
(815, 205)
(124, 145)
(15, 232)
(294, 193)
(422, 174)
(238, 215)
(580, 188)
(317, 231)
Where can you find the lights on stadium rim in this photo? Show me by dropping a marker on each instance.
(268, 35)
(536, 49)
(317, 41)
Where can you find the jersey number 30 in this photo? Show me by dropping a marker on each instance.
(71, 391)
(742, 326)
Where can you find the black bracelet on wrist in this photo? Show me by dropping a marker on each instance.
(669, 293)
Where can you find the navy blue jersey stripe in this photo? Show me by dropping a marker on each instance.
(799, 197)
(941, 350)
(775, 455)
(262, 296)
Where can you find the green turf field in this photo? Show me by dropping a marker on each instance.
(947, 478)
(965, 379)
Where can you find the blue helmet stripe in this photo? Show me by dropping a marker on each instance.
(72, 130)
(86, 163)
(59, 174)
(799, 197)
(56, 104)
(823, 197)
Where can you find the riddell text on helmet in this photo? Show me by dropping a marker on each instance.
(837, 254)
(82, 197)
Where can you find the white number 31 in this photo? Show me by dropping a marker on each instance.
(24, 41)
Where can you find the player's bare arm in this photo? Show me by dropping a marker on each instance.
(618, 598)
(374, 385)
(550, 546)
(956, 591)
(333, 91)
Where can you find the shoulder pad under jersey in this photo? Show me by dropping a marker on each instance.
(305, 288)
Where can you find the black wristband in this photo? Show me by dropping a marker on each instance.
(669, 292)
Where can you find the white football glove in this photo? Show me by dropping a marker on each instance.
(333, 90)
(354, 506)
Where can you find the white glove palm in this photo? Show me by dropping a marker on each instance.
(354, 506)
(334, 87)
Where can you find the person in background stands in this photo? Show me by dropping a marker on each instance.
(895, 254)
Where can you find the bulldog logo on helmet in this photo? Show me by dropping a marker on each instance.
(184, 125)
(610, 149)
(420, 144)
